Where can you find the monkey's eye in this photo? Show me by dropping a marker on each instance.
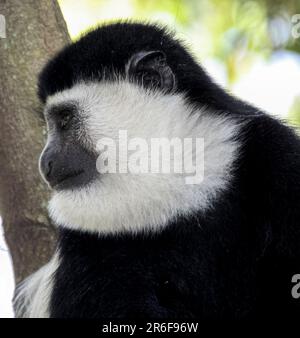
(64, 120)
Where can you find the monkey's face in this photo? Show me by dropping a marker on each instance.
(66, 163)
(94, 187)
(80, 117)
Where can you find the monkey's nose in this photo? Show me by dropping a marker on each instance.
(63, 169)
(53, 168)
(46, 166)
(67, 167)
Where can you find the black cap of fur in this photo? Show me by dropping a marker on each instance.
(110, 47)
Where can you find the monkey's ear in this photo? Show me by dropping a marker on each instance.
(151, 70)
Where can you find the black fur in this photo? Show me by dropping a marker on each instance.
(238, 263)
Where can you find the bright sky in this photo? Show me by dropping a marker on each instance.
(272, 85)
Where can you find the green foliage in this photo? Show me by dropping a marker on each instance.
(294, 115)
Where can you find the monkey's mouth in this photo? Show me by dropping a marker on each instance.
(69, 180)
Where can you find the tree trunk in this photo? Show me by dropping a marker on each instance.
(35, 30)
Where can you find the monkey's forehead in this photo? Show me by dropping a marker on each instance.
(105, 50)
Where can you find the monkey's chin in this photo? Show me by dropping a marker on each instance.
(80, 210)
(75, 209)
(131, 203)
(107, 208)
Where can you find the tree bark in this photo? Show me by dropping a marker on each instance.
(35, 30)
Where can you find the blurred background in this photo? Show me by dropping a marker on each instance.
(252, 48)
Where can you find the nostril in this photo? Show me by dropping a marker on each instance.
(49, 169)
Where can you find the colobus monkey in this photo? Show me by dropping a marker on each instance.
(137, 244)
